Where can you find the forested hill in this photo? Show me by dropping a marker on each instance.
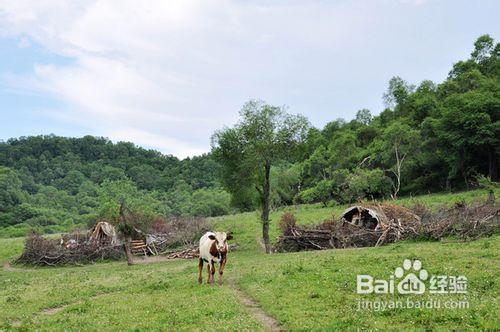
(55, 183)
(431, 137)
(66, 163)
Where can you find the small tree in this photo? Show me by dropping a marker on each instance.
(398, 141)
(127, 208)
(490, 186)
(265, 134)
(126, 229)
(131, 223)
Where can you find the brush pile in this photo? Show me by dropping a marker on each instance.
(171, 239)
(297, 238)
(177, 234)
(366, 226)
(464, 222)
(40, 251)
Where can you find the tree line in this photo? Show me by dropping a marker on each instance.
(431, 137)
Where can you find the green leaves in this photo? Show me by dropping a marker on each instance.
(265, 133)
(11, 193)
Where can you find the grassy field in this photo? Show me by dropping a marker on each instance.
(302, 291)
(247, 228)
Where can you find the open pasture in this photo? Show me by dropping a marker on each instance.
(313, 290)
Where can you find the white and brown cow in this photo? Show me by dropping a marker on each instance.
(213, 249)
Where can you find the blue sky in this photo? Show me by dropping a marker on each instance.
(166, 74)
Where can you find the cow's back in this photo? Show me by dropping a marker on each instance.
(205, 244)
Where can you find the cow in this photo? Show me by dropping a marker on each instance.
(213, 249)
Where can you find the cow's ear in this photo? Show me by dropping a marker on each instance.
(229, 236)
(211, 237)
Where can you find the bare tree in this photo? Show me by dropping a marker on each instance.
(398, 141)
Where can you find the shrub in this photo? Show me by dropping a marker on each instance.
(322, 192)
(210, 203)
(41, 221)
(364, 183)
(287, 223)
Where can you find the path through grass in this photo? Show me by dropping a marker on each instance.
(296, 291)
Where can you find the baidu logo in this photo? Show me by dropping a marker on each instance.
(410, 278)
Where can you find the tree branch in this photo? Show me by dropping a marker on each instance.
(258, 190)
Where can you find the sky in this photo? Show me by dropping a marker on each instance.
(167, 74)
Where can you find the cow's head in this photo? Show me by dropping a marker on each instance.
(221, 239)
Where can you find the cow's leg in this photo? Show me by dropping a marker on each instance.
(200, 269)
(221, 269)
(212, 270)
(209, 273)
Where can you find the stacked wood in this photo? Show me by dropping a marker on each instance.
(139, 247)
(190, 252)
(296, 238)
(185, 254)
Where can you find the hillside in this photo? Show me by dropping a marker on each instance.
(54, 184)
(431, 137)
(307, 290)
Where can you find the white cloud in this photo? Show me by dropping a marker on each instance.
(166, 74)
(144, 138)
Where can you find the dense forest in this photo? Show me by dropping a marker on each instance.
(56, 183)
(431, 137)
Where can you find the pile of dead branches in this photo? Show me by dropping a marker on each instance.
(464, 222)
(395, 223)
(328, 235)
(40, 251)
(296, 238)
(175, 234)
(176, 238)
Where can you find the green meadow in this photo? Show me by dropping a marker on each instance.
(313, 290)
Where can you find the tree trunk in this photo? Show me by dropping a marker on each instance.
(265, 208)
(492, 166)
(126, 239)
(399, 162)
(126, 248)
(491, 196)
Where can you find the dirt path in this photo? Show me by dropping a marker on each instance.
(55, 310)
(254, 308)
(7, 267)
(46, 311)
